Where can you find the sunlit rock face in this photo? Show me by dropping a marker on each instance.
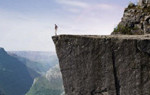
(104, 65)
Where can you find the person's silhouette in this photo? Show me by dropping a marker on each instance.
(56, 27)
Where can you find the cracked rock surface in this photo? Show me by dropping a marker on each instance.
(104, 65)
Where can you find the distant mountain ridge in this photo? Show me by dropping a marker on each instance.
(34, 72)
(37, 67)
(47, 59)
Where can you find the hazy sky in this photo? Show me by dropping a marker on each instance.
(29, 24)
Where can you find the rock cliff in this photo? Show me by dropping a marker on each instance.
(104, 65)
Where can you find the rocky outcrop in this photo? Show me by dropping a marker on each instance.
(104, 65)
(143, 2)
(135, 21)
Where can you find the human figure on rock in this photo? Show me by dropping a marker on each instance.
(56, 27)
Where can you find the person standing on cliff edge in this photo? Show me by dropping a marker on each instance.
(56, 27)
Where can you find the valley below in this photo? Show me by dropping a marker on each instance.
(30, 73)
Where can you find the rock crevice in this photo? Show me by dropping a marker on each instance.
(117, 84)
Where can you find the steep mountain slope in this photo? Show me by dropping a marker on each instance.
(15, 77)
(50, 84)
(1, 93)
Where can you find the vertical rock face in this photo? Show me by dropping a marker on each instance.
(104, 65)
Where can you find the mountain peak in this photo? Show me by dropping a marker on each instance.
(2, 51)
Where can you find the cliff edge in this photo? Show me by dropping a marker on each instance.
(104, 65)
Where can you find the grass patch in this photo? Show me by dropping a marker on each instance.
(124, 29)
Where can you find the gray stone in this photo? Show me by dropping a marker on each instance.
(131, 4)
(149, 21)
(135, 16)
(147, 18)
(104, 65)
(143, 2)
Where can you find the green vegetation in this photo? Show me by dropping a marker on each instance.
(42, 86)
(18, 72)
(50, 84)
(122, 29)
(126, 30)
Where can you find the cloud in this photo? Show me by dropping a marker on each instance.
(80, 4)
(73, 10)
(103, 6)
(20, 32)
(73, 3)
(84, 7)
